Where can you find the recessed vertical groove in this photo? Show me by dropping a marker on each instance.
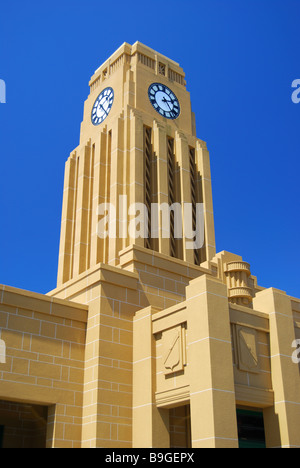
(107, 191)
(74, 220)
(91, 188)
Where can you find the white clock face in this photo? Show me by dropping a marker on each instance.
(164, 101)
(102, 106)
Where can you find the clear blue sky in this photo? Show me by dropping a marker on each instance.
(240, 59)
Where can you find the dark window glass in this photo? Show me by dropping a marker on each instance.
(251, 429)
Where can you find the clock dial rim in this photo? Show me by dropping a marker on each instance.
(105, 111)
(174, 113)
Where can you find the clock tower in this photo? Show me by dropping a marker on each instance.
(138, 148)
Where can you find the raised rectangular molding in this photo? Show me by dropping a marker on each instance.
(172, 398)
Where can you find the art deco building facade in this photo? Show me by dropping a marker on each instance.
(145, 342)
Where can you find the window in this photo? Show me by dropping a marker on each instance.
(251, 429)
(148, 181)
(162, 69)
(193, 174)
(171, 178)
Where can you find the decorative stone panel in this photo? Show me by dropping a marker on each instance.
(174, 349)
(248, 358)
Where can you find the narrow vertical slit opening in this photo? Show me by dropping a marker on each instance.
(171, 187)
(193, 174)
(148, 182)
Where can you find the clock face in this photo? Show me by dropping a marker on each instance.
(102, 106)
(164, 101)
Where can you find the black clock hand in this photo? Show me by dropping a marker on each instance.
(103, 108)
(107, 99)
(167, 102)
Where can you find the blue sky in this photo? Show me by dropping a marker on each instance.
(240, 59)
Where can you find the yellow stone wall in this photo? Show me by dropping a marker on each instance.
(45, 348)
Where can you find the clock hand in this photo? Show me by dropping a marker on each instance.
(167, 102)
(106, 102)
(100, 105)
